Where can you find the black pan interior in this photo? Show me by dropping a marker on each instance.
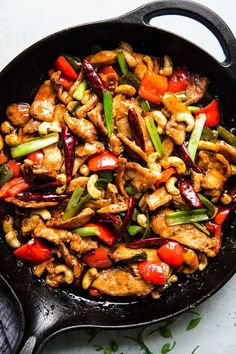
(49, 308)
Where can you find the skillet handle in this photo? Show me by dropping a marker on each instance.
(196, 11)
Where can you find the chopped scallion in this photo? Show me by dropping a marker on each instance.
(154, 135)
(185, 217)
(211, 209)
(86, 231)
(134, 229)
(193, 108)
(121, 60)
(79, 92)
(107, 104)
(196, 135)
(73, 201)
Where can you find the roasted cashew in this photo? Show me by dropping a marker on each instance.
(142, 220)
(161, 121)
(89, 277)
(167, 69)
(12, 139)
(173, 278)
(148, 61)
(170, 186)
(155, 294)
(69, 276)
(187, 118)
(62, 178)
(91, 187)
(12, 240)
(7, 127)
(127, 90)
(173, 161)
(84, 170)
(48, 127)
(202, 261)
(153, 165)
(7, 224)
(44, 213)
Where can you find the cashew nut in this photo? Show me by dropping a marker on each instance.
(155, 294)
(153, 165)
(187, 118)
(88, 278)
(126, 90)
(47, 127)
(173, 278)
(161, 121)
(6, 127)
(12, 240)
(167, 69)
(170, 186)
(226, 198)
(142, 220)
(202, 261)
(44, 213)
(84, 170)
(91, 187)
(148, 61)
(62, 178)
(12, 139)
(173, 161)
(69, 276)
(7, 224)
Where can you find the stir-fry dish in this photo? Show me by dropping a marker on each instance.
(117, 177)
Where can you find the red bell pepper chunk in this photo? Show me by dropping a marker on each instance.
(98, 258)
(172, 253)
(15, 167)
(108, 76)
(179, 80)
(152, 272)
(64, 81)
(104, 233)
(215, 230)
(65, 68)
(165, 175)
(33, 252)
(36, 157)
(94, 292)
(212, 113)
(104, 160)
(222, 215)
(13, 187)
(153, 86)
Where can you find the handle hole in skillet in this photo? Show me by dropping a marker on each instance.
(191, 30)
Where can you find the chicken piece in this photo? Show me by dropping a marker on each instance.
(115, 145)
(29, 224)
(90, 104)
(63, 95)
(168, 145)
(44, 103)
(133, 146)
(104, 57)
(57, 236)
(78, 182)
(97, 204)
(18, 113)
(79, 220)
(158, 198)
(82, 128)
(215, 171)
(140, 68)
(114, 208)
(31, 205)
(31, 126)
(59, 112)
(147, 140)
(127, 50)
(54, 280)
(39, 269)
(119, 176)
(71, 261)
(140, 178)
(52, 158)
(122, 253)
(112, 192)
(88, 244)
(196, 89)
(176, 131)
(78, 162)
(186, 234)
(116, 282)
(95, 116)
(89, 149)
(120, 107)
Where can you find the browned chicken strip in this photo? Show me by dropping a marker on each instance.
(79, 220)
(83, 128)
(44, 103)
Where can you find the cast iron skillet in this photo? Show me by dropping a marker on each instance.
(48, 311)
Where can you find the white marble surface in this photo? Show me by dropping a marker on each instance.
(22, 22)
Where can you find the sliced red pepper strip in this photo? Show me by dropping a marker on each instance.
(222, 215)
(107, 218)
(33, 252)
(179, 80)
(135, 126)
(13, 187)
(166, 174)
(154, 242)
(41, 197)
(152, 272)
(98, 258)
(153, 86)
(212, 113)
(104, 160)
(65, 68)
(172, 253)
(36, 157)
(46, 187)
(127, 218)
(15, 167)
(104, 233)
(69, 142)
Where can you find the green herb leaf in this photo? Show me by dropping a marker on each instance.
(98, 347)
(108, 350)
(165, 332)
(193, 323)
(167, 347)
(92, 332)
(134, 229)
(114, 346)
(194, 350)
(140, 342)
